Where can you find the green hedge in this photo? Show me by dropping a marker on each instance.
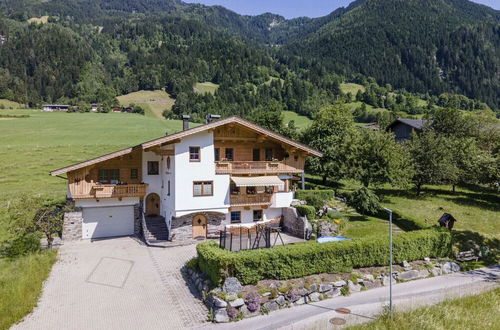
(302, 259)
(323, 194)
(307, 211)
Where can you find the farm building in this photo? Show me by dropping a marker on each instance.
(55, 107)
(402, 128)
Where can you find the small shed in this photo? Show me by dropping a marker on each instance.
(447, 220)
(402, 128)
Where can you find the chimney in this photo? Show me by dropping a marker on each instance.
(185, 122)
(210, 118)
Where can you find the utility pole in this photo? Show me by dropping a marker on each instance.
(390, 259)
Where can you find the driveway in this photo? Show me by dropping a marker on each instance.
(117, 284)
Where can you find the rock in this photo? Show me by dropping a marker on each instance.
(325, 287)
(265, 294)
(220, 315)
(406, 265)
(303, 292)
(427, 259)
(280, 300)
(369, 277)
(333, 293)
(271, 306)
(231, 297)
(353, 287)
(246, 313)
(339, 284)
(313, 288)
(408, 275)
(450, 267)
(219, 303)
(237, 303)
(436, 271)
(423, 273)
(372, 284)
(385, 281)
(327, 228)
(232, 285)
(301, 301)
(315, 296)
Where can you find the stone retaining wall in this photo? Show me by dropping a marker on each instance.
(295, 224)
(182, 226)
(72, 225)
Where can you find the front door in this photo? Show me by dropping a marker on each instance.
(153, 204)
(199, 226)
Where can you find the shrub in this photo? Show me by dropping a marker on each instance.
(192, 264)
(365, 201)
(302, 259)
(316, 201)
(324, 195)
(306, 211)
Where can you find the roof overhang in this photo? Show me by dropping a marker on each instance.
(257, 181)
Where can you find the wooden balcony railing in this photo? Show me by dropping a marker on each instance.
(247, 200)
(114, 191)
(250, 167)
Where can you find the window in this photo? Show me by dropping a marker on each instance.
(236, 217)
(283, 187)
(168, 162)
(194, 154)
(234, 189)
(257, 215)
(202, 188)
(256, 155)
(109, 176)
(168, 188)
(134, 173)
(229, 154)
(153, 168)
(269, 154)
(217, 154)
(251, 190)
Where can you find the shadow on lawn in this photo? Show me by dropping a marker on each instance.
(363, 218)
(488, 248)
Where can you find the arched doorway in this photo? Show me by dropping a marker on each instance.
(199, 226)
(153, 204)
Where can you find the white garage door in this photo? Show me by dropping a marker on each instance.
(107, 221)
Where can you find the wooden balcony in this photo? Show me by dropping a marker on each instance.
(249, 200)
(250, 167)
(114, 191)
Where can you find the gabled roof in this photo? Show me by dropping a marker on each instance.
(176, 136)
(417, 124)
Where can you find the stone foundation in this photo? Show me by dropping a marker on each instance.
(137, 220)
(182, 226)
(72, 225)
(294, 224)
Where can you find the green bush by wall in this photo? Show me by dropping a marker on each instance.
(307, 211)
(302, 259)
(323, 194)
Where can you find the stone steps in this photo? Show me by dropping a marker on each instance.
(156, 229)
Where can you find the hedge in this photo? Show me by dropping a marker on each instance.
(323, 194)
(302, 259)
(307, 211)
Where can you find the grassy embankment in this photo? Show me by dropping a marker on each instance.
(153, 102)
(205, 87)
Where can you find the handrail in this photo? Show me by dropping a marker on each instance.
(241, 167)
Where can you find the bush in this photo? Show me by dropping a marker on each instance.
(324, 195)
(306, 211)
(316, 201)
(365, 201)
(302, 259)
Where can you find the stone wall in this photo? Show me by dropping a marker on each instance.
(294, 224)
(137, 220)
(182, 226)
(72, 225)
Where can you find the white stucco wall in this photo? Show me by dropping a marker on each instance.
(168, 175)
(282, 199)
(103, 202)
(154, 181)
(186, 172)
(247, 215)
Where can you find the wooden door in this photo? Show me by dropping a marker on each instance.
(199, 226)
(153, 204)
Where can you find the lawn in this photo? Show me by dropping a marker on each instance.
(153, 102)
(20, 285)
(479, 312)
(205, 87)
(7, 104)
(39, 20)
(365, 226)
(301, 122)
(352, 88)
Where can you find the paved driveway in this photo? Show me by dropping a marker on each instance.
(117, 284)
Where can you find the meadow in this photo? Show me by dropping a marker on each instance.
(301, 122)
(205, 88)
(153, 102)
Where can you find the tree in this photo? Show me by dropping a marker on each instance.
(49, 220)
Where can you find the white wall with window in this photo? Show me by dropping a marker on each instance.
(238, 215)
(151, 174)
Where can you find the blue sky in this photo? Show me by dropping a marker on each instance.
(295, 8)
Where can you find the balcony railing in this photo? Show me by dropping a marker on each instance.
(114, 191)
(248, 200)
(250, 167)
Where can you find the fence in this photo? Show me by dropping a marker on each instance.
(243, 238)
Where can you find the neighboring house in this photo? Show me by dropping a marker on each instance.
(55, 107)
(94, 107)
(402, 128)
(189, 184)
(116, 109)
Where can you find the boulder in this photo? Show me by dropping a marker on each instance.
(232, 285)
(339, 284)
(333, 293)
(280, 300)
(406, 265)
(315, 296)
(313, 288)
(427, 259)
(353, 287)
(246, 313)
(325, 287)
(369, 277)
(271, 306)
(327, 228)
(436, 271)
(423, 273)
(231, 297)
(220, 315)
(301, 301)
(265, 294)
(218, 302)
(372, 284)
(237, 303)
(385, 281)
(450, 267)
(408, 275)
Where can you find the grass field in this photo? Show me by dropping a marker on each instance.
(39, 20)
(301, 122)
(352, 88)
(365, 226)
(153, 102)
(205, 87)
(20, 285)
(479, 312)
(6, 104)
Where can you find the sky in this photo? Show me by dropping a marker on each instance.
(294, 8)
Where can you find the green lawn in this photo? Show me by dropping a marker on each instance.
(365, 226)
(153, 102)
(20, 285)
(479, 312)
(7, 104)
(205, 87)
(352, 88)
(301, 122)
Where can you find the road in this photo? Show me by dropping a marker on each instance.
(366, 305)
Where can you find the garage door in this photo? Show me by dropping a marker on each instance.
(107, 221)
